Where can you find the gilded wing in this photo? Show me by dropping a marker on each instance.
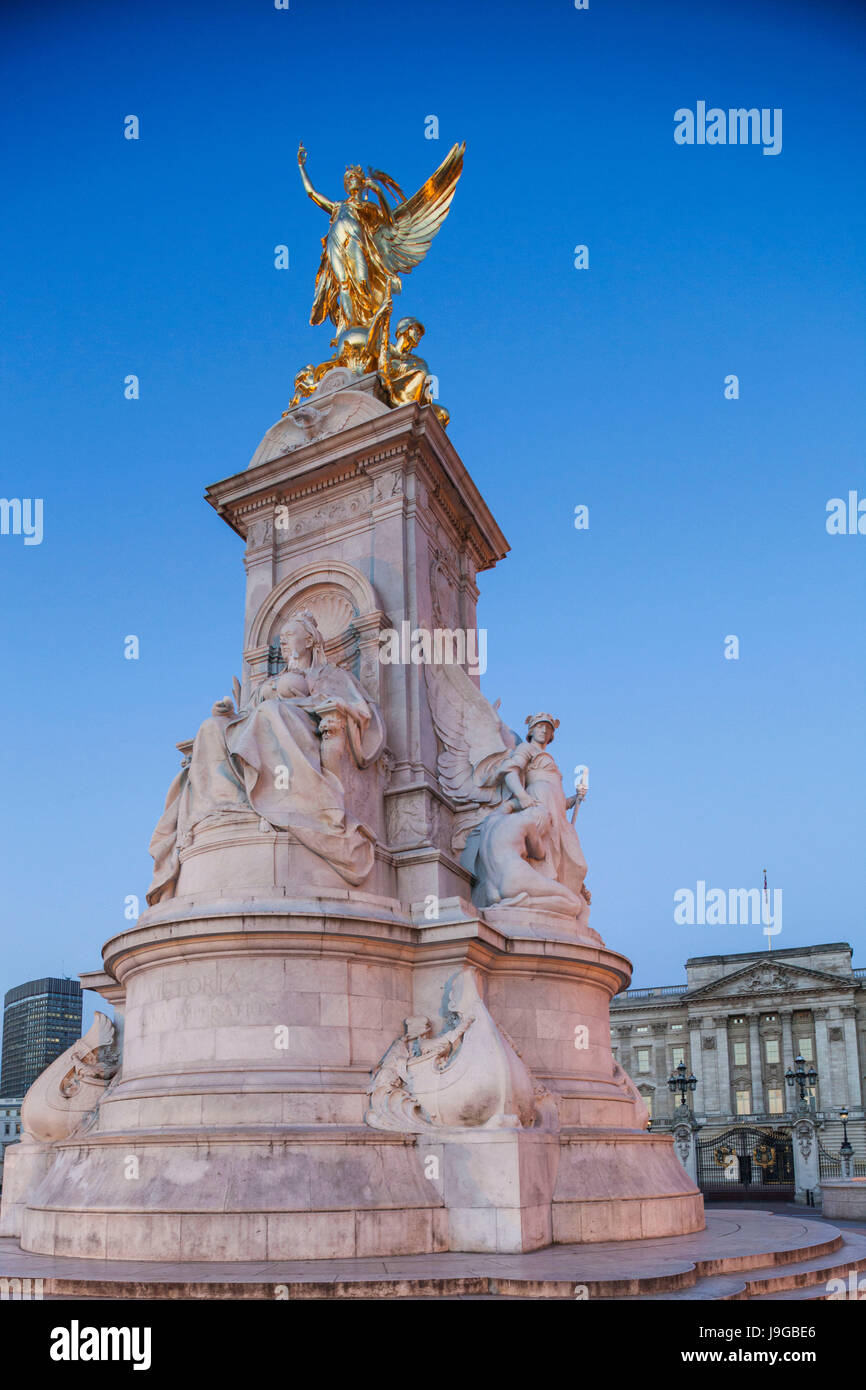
(404, 240)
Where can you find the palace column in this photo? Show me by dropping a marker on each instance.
(623, 1055)
(826, 1090)
(664, 1101)
(722, 1066)
(852, 1060)
(696, 1065)
(755, 1060)
(787, 1017)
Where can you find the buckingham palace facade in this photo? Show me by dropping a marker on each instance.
(738, 1023)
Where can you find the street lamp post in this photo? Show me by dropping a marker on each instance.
(802, 1078)
(678, 1081)
(846, 1152)
(685, 1126)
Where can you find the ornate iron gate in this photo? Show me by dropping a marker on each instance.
(746, 1163)
(829, 1164)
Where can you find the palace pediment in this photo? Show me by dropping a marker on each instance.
(768, 978)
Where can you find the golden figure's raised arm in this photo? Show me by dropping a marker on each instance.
(318, 198)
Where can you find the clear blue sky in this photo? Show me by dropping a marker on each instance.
(602, 387)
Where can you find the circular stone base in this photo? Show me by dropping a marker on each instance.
(236, 1128)
(331, 1192)
(742, 1254)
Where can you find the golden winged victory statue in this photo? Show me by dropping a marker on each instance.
(372, 241)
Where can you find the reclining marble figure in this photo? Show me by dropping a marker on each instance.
(69, 1090)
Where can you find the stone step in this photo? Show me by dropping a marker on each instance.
(721, 1288)
(810, 1280)
(809, 1273)
(801, 1279)
(812, 1293)
(804, 1277)
(742, 1254)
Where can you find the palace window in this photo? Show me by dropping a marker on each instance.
(775, 1101)
(643, 1058)
(678, 1054)
(741, 1054)
(744, 1101)
(771, 1049)
(804, 1047)
(642, 1028)
(677, 1027)
(648, 1102)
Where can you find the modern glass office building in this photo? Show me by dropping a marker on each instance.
(41, 1019)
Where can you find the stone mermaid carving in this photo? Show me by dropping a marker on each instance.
(470, 1075)
(278, 757)
(512, 827)
(63, 1095)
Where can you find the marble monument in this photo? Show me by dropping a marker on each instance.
(364, 1012)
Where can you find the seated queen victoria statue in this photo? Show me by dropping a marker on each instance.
(273, 758)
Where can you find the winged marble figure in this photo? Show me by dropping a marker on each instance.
(511, 826)
(474, 743)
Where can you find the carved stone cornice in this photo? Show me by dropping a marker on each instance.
(411, 434)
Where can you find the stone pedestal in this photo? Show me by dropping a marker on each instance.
(806, 1165)
(237, 1127)
(844, 1199)
(685, 1135)
(260, 998)
(25, 1165)
(497, 1187)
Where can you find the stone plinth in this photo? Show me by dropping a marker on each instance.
(497, 1186)
(24, 1167)
(250, 1037)
(844, 1198)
